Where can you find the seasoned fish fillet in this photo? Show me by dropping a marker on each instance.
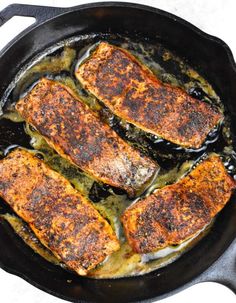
(133, 93)
(77, 134)
(62, 219)
(177, 212)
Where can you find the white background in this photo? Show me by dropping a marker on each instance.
(216, 17)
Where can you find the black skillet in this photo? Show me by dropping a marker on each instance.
(214, 257)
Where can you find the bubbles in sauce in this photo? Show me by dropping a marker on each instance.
(58, 63)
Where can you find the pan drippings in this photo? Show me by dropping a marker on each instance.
(58, 63)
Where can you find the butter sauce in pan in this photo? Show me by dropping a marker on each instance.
(59, 63)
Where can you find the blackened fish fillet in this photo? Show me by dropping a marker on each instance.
(62, 219)
(177, 212)
(133, 93)
(77, 134)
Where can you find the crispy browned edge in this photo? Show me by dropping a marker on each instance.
(179, 211)
(160, 118)
(62, 219)
(104, 145)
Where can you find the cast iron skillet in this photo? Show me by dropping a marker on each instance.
(214, 257)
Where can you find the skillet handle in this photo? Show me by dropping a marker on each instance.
(223, 270)
(40, 13)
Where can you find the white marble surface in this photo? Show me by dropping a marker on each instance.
(216, 17)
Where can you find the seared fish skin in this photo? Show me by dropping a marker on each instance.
(62, 219)
(77, 134)
(134, 94)
(177, 212)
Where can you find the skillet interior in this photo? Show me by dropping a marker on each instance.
(206, 56)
